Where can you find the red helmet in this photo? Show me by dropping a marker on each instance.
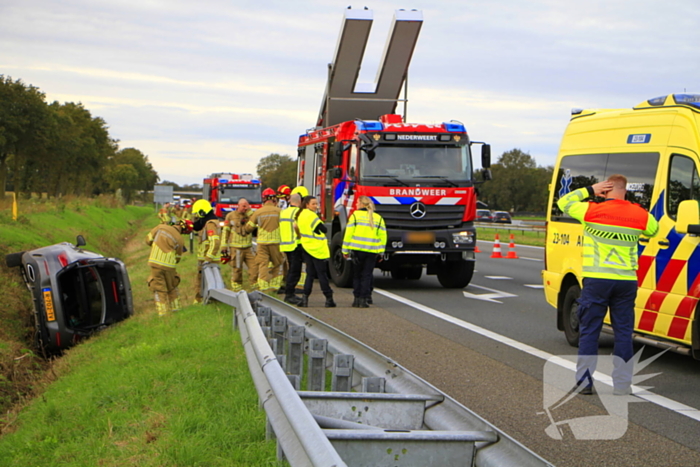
(284, 190)
(269, 193)
(186, 226)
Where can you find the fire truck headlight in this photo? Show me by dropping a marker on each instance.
(463, 238)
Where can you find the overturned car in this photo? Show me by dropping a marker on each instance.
(75, 292)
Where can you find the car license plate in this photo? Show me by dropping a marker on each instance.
(420, 237)
(48, 305)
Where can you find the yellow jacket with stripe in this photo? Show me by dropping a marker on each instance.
(166, 246)
(267, 220)
(313, 240)
(289, 239)
(209, 242)
(361, 235)
(235, 234)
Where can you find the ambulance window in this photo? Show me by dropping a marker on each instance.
(587, 169)
(683, 183)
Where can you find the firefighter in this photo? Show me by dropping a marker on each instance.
(365, 240)
(267, 221)
(167, 247)
(207, 224)
(238, 243)
(290, 245)
(164, 214)
(283, 194)
(312, 233)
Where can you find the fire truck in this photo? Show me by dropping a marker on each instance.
(419, 175)
(223, 190)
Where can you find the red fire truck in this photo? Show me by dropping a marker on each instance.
(420, 176)
(224, 190)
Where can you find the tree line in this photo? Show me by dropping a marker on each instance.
(62, 149)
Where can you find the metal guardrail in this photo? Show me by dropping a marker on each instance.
(412, 419)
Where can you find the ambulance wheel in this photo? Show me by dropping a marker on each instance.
(570, 314)
(340, 269)
(455, 274)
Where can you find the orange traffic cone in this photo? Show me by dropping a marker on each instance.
(476, 249)
(511, 249)
(497, 248)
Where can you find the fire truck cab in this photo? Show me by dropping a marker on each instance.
(223, 190)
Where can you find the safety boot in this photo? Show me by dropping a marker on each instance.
(293, 300)
(356, 302)
(363, 303)
(329, 302)
(304, 301)
(369, 300)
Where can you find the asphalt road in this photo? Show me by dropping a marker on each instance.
(488, 346)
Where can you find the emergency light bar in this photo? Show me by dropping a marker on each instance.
(454, 127)
(369, 125)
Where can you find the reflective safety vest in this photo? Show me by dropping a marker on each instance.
(611, 231)
(288, 237)
(315, 244)
(360, 235)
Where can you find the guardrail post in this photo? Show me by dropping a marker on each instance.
(317, 365)
(279, 327)
(373, 384)
(342, 373)
(264, 314)
(295, 355)
(296, 381)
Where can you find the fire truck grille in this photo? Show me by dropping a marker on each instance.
(436, 217)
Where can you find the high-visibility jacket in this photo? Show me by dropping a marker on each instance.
(235, 234)
(166, 246)
(267, 220)
(289, 239)
(209, 242)
(360, 235)
(315, 244)
(611, 230)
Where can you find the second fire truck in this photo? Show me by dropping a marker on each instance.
(223, 190)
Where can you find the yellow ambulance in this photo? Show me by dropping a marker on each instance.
(656, 145)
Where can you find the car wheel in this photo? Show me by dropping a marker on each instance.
(14, 259)
(570, 314)
(455, 274)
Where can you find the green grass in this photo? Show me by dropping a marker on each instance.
(173, 391)
(521, 237)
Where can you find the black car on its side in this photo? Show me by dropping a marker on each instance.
(75, 292)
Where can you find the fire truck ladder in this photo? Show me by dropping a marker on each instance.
(342, 100)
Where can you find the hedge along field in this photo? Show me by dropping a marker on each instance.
(172, 391)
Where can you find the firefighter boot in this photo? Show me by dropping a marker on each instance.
(304, 301)
(356, 302)
(161, 306)
(363, 303)
(329, 301)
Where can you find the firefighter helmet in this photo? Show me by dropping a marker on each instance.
(283, 191)
(303, 192)
(269, 193)
(201, 207)
(186, 226)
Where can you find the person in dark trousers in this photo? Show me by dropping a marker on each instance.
(312, 233)
(611, 232)
(365, 240)
(290, 245)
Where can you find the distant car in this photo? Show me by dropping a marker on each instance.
(75, 292)
(483, 215)
(502, 217)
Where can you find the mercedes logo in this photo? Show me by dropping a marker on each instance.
(417, 210)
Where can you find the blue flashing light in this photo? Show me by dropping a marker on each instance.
(371, 125)
(657, 101)
(255, 181)
(223, 180)
(454, 127)
(687, 99)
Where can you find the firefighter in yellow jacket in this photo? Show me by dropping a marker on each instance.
(207, 224)
(365, 239)
(238, 243)
(267, 221)
(167, 247)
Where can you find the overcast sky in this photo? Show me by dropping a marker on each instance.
(214, 86)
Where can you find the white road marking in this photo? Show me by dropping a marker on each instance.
(489, 297)
(532, 259)
(642, 393)
(499, 277)
(534, 286)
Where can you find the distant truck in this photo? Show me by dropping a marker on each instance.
(223, 190)
(419, 175)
